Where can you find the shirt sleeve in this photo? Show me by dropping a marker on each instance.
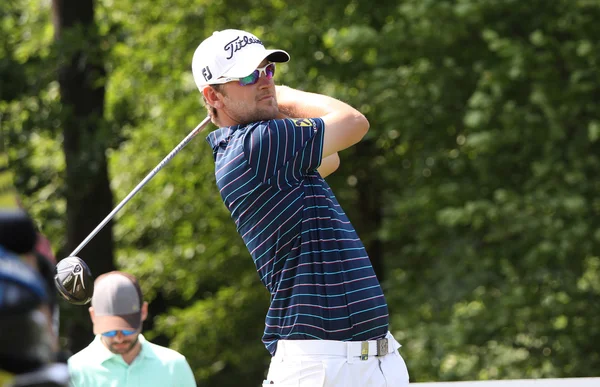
(74, 374)
(184, 374)
(282, 152)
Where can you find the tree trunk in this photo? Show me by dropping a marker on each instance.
(81, 75)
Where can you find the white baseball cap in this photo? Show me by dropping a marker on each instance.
(230, 54)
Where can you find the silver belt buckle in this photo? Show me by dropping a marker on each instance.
(382, 347)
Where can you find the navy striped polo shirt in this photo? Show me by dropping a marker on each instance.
(305, 249)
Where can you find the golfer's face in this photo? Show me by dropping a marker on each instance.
(251, 103)
(121, 344)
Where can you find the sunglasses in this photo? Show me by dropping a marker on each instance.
(125, 332)
(268, 70)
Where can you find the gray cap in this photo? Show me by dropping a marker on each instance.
(117, 302)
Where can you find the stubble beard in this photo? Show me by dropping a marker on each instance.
(264, 115)
(126, 350)
(246, 115)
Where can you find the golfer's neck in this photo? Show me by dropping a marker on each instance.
(130, 356)
(224, 119)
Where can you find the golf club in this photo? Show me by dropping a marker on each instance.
(72, 276)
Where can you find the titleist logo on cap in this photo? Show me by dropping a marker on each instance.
(238, 43)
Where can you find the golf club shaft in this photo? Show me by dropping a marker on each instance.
(149, 176)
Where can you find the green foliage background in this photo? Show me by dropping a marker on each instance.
(484, 155)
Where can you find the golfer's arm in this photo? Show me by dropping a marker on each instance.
(329, 165)
(344, 125)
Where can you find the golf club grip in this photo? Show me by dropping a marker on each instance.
(149, 176)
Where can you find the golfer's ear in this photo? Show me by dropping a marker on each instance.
(144, 310)
(213, 97)
(92, 314)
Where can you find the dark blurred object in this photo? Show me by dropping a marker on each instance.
(24, 342)
(17, 231)
(51, 375)
(22, 287)
(26, 350)
(43, 247)
(74, 281)
(46, 270)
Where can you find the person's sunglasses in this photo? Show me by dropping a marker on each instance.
(268, 70)
(125, 332)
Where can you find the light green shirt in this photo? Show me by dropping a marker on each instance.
(157, 366)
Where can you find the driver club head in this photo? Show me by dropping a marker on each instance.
(73, 280)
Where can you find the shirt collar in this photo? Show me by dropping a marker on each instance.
(102, 354)
(220, 138)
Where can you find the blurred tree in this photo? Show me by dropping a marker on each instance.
(495, 214)
(81, 76)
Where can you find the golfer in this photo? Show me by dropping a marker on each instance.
(327, 324)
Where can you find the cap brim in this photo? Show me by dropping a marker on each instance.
(128, 322)
(248, 66)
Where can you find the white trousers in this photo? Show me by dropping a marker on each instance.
(323, 363)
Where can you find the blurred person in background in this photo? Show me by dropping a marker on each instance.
(120, 355)
(28, 350)
(28, 336)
